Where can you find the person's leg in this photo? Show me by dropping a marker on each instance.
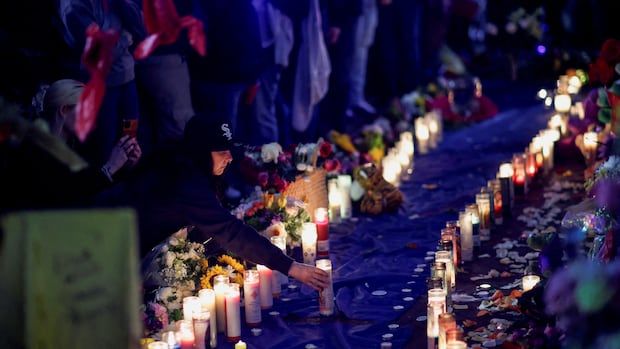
(264, 123)
(364, 37)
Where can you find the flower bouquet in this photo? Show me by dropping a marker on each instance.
(270, 167)
(222, 265)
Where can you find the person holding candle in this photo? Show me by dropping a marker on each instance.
(176, 188)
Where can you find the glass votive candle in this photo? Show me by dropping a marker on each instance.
(529, 282)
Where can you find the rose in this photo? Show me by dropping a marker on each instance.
(279, 183)
(325, 149)
(331, 165)
(270, 152)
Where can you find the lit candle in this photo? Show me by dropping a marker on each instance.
(557, 122)
(495, 187)
(276, 280)
(326, 295)
(207, 298)
(432, 319)
(334, 197)
(191, 305)
(520, 177)
(220, 285)
(483, 201)
(158, 345)
(170, 338)
(536, 149)
(344, 184)
(391, 169)
(251, 293)
(308, 242)
(454, 335)
(446, 323)
(433, 120)
(406, 139)
(438, 269)
(590, 142)
(241, 345)
(529, 281)
(186, 334)
(201, 326)
(562, 103)
(322, 227)
(475, 223)
(266, 294)
(403, 157)
(422, 134)
(467, 239)
(505, 175)
(456, 241)
(233, 313)
(446, 257)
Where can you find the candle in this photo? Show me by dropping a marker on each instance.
(520, 177)
(483, 201)
(220, 285)
(186, 334)
(326, 295)
(276, 280)
(562, 103)
(536, 148)
(506, 173)
(467, 239)
(170, 338)
(322, 227)
(456, 241)
(191, 305)
(456, 345)
(334, 197)
(344, 184)
(446, 323)
(403, 157)
(454, 335)
(266, 294)
(406, 139)
(529, 281)
(251, 292)
(432, 319)
(422, 134)
(158, 345)
(201, 325)
(557, 122)
(495, 187)
(241, 345)
(308, 242)
(472, 209)
(439, 269)
(207, 298)
(233, 313)
(391, 168)
(590, 142)
(446, 257)
(433, 120)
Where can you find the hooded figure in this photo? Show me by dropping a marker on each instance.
(176, 190)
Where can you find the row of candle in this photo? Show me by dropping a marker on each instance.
(339, 197)
(428, 131)
(398, 159)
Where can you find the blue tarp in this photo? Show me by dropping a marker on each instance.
(372, 254)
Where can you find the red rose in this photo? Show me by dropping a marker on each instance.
(610, 51)
(279, 183)
(331, 165)
(601, 72)
(325, 149)
(263, 179)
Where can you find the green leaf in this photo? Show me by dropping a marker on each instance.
(603, 99)
(604, 115)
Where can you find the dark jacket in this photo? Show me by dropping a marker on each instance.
(172, 192)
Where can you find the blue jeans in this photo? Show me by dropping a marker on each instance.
(262, 120)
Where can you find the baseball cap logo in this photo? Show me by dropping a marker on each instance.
(227, 133)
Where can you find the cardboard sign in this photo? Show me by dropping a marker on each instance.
(74, 274)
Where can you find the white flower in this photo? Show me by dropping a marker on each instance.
(292, 210)
(169, 257)
(173, 241)
(276, 229)
(164, 293)
(270, 152)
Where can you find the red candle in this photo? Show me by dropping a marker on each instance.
(530, 164)
(322, 227)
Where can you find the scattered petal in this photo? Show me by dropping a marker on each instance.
(398, 307)
(379, 293)
(420, 318)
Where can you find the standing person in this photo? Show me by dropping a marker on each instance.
(364, 37)
(177, 190)
(121, 100)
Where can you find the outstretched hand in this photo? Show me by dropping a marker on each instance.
(314, 277)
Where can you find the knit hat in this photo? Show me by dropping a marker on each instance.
(204, 134)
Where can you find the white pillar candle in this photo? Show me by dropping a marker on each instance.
(321, 219)
(446, 257)
(562, 103)
(334, 197)
(191, 305)
(276, 280)
(433, 121)
(529, 281)
(158, 345)
(391, 169)
(308, 242)
(438, 295)
(557, 123)
(344, 184)
(467, 239)
(406, 139)
(201, 326)
(432, 319)
(186, 334)
(266, 294)
(422, 135)
(233, 313)
(483, 200)
(506, 173)
(326, 295)
(207, 298)
(220, 285)
(590, 142)
(251, 293)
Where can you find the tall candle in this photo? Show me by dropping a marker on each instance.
(432, 318)
(220, 285)
(562, 103)
(446, 323)
(201, 326)
(456, 241)
(520, 176)
(344, 184)
(590, 142)
(322, 226)
(266, 294)
(529, 282)
(191, 305)
(251, 293)
(439, 269)
(233, 313)
(186, 334)
(334, 197)
(406, 139)
(467, 239)
(506, 173)
(207, 298)
(276, 280)
(422, 134)
(472, 209)
(391, 168)
(483, 200)
(454, 335)
(446, 257)
(326, 295)
(495, 189)
(530, 164)
(308, 242)
(433, 120)
(536, 148)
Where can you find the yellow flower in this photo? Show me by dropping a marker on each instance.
(228, 260)
(268, 199)
(205, 280)
(282, 201)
